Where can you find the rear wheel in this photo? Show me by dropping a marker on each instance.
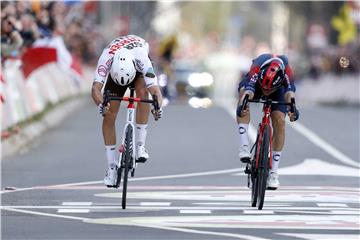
(127, 162)
(263, 170)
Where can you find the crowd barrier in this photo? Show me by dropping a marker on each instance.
(39, 77)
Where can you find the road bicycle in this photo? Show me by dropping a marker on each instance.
(259, 166)
(127, 161)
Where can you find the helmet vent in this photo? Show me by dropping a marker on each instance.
(122, 80)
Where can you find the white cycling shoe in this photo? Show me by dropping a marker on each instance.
(244, 154)
(273, 181)
(110, 178)
(141, 154)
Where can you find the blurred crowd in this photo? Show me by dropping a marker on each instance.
(26, 23)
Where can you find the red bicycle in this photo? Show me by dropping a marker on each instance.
(258, 168)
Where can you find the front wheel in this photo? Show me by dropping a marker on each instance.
(254, 184)
(127, 162)
(263, 170)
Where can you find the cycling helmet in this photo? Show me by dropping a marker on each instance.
(272, 74)
(123, 70)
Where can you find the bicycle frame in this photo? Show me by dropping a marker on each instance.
(265, 122)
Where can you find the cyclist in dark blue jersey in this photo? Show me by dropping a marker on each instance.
(270, 76)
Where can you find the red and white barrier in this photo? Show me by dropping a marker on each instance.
(38, 78)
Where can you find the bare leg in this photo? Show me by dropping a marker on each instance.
(108, 126)
(278, 123)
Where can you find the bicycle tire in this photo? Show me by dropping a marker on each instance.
(263, 166)
(254, 185)
(127, 159)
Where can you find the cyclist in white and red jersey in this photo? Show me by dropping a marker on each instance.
(125, 63)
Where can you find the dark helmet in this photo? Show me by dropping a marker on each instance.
(272, 73)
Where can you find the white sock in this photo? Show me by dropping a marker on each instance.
(111, 155)
(275, 161)
(243, 131)
(141, 134)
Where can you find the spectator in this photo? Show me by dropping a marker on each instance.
(29, 30)
(11, 40)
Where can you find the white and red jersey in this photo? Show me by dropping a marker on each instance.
(140, 50)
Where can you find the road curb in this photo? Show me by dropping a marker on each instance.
(14, 144)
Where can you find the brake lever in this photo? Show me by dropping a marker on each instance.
(106, 99)
(243, 106)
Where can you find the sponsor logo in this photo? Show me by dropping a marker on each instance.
(109, 62)
(102, 70)
(242, 130)
(139, 65)
(122, 43)
(150, 73)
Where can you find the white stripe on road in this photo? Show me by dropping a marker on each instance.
(310, 236)
(186, 230)
(232, 170)
(318, 141)
(258, 212)
(43, 214)
(73, 210)
(155, 203)
(184, 211)
(77, 203)
(332, 205)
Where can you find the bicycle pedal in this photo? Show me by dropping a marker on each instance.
(271, 188)
(245, 160)
(141, 160)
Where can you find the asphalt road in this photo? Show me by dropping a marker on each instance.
(192, 187)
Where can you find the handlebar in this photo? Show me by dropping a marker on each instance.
(108, 96)
(268, 102)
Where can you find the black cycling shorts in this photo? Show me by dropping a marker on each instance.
(118, 89)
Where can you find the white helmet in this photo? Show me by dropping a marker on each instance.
(123, 70)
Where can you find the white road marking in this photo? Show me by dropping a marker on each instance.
(346, 212)
(318, 141)
(313, 166)
(155, 203)
(271, 221)
(310, 236)
(332, 204)
(353, 211)
(196, 211)
(232, 235)
(240, 204)
(76, 203)
(258, 212)
(196, 174)
(43, 214)
(73, 210)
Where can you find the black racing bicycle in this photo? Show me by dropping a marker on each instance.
(127, 161)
